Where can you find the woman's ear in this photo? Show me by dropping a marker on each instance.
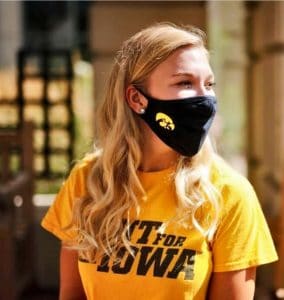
(135, 100)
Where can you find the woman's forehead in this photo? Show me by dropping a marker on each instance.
(186, 61)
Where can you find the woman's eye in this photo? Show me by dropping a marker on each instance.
(187, 84)
(210, 85)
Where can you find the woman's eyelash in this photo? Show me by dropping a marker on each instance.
(210, 84)
(185, 83)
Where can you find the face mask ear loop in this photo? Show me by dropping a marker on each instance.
(142, 109)
(141, 92)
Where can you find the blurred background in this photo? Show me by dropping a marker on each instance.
(54, 60)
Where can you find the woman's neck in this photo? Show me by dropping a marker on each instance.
(157, 162)
(156, 155)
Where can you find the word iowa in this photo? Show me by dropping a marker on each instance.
(152, 261)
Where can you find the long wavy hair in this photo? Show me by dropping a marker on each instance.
(113, 185)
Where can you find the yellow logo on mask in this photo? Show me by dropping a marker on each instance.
(165, 121)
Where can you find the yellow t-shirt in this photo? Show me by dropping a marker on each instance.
(174, 264)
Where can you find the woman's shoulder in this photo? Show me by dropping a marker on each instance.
(229, 181)
(83, 166)
(86, 162)
(223, 173)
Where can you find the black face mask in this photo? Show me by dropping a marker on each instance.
(182, 124)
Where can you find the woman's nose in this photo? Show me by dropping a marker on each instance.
(201, 90)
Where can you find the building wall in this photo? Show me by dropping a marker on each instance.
(265, 105)
(266, 111)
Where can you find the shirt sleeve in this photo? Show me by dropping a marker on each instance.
(243, 238)
(59, 216)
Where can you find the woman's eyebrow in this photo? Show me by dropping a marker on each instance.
(209, 76)
(183, 74)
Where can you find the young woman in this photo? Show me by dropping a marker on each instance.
(154, 213)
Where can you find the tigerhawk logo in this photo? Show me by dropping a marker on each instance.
(165, 121)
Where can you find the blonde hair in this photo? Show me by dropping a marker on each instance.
(113, 185)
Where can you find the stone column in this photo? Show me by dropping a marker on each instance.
(227, 44)
(10, 32)
(10, 41)
(266, 108)
(266, 111)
